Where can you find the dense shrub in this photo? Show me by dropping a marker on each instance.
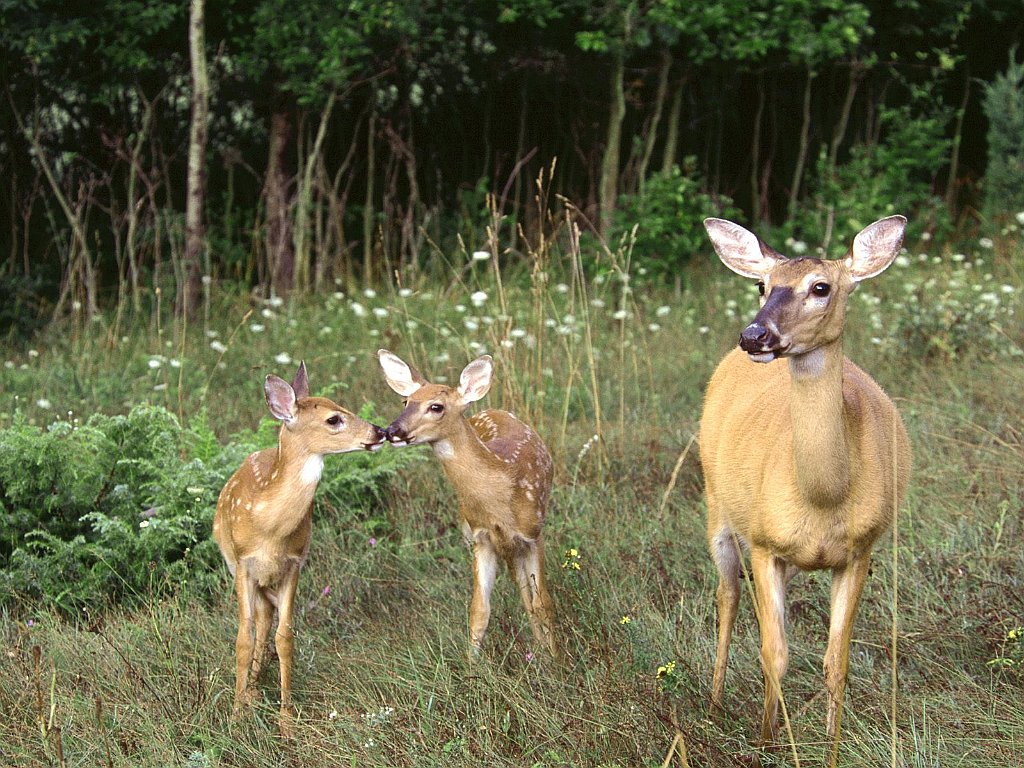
(1003, 104)
(120, 508)
(894, 175)
(668, 216)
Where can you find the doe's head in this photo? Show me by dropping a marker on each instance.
(803, 301)
(431, 409)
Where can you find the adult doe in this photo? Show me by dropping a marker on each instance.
(264, 520)
(502, 475)
(805, 458)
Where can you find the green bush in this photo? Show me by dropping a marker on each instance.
(1003, 104)
(895, 175)
(120, 508)
(668, 216)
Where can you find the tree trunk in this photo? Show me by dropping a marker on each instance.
(195, 231)
(755, 154)
(805, 134)
(371, 158)
(668, 159)
(660, 96)
(954, 157)
(305, 201)
(856, 75)
(279, 225)
(610, 160)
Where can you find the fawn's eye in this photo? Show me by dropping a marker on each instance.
(334, 420)
(436, 408)
(821, 289)
(760, 287)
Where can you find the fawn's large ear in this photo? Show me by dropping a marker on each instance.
(475, 380)
(401, 376)
(740, 249)
(280, 398)
(300, 384)
(875, 247)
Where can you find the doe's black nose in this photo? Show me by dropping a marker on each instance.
(758, 338)
(394, 432)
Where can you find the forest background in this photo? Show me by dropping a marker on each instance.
(193, 195)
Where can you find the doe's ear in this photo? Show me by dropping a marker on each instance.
(740, 249)
(400, 376)
(876, 247)
(475, 380)
(280, 398)
(300, 384)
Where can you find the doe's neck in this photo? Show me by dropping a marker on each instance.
(821, 446)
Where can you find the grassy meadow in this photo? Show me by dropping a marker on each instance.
(611, 371)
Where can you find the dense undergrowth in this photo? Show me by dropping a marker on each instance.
(110, 430)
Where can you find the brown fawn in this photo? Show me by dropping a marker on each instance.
(805, 458)
(264, 520)
(502, 474)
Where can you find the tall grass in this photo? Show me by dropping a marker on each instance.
(583, 348)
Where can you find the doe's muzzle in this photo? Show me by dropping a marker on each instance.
(757, 338)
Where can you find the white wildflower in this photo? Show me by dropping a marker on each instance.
(517, 333)
(481, 255)
(562, 288)
(275, 301)
(478, 298)
(599, 303)
(43, 403)
(404, 293)
(370, 293)
(653, 327)
(986, 243)
(267, 313)
(663, 310)
(282, 358)
(358, 309)
(1020, 218)
(471, 324)
(206, 280)
(154, 362)
(620, 314)
(902, 260)
(703, 330)
(380, 312)
(218, 347)
(257, 327)
(507, 343)
(33, 353)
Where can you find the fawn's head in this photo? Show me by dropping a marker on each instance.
(431, 409)
(803, 301)
(318, 425)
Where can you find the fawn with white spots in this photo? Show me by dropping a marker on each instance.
(264, 521)
(502, 474)
(805, 458)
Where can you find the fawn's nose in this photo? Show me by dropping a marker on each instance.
(758, 338)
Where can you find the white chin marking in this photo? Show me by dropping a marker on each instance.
(761, 357)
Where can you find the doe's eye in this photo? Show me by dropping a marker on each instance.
(821, 289)
(334, 420)
(760, 287)
(436, 408)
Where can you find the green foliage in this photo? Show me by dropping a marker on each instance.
(952, 307)
(1003, 104)
(120, 508)
(896, 175)
(668, 216)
